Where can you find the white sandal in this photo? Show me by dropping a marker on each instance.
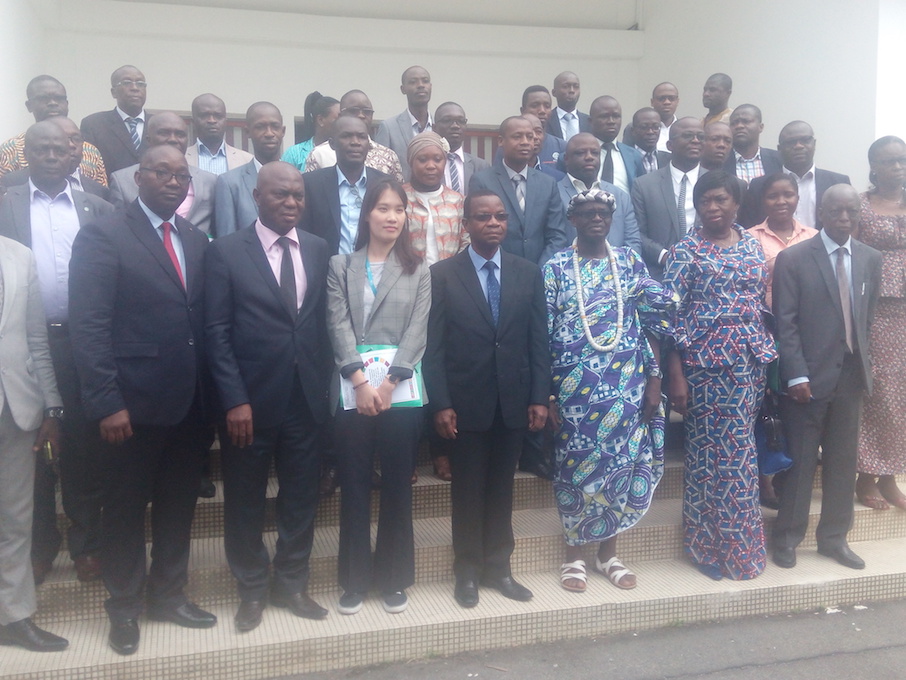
(614, 570)
(573, 571)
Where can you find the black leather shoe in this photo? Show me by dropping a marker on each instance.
(248, 617)
(26, 634)
(509, 587)
(124, 636)
(785, 557)
(301, 605)
(539, 468)
(187, 615)
(206, 488)
(466, 593)
(843, 555)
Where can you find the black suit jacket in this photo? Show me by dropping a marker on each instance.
(554, 128)
(752, 210)
(137, 334)
(322, 204)
(770, 160)
(15, 212)
(255, 347)
(107, 131)
(809, 314)
(89, 186)
(472, 366)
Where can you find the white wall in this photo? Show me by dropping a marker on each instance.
(891, 111)
(22, 37)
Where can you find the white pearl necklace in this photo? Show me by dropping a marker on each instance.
(580, 294)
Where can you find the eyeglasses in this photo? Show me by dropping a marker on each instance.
(166, 176)
(805, 141)
(689, 136)
(357, 111)
(591, 213)
(461, 122)
(647, 128)
(486, 217)
(140, 84)
(47, 98)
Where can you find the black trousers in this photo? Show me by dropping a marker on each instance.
(833, 424)
(392, 437)
(483, 465)
(160, 465)
(294, 447)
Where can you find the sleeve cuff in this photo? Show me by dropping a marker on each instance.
(400, 372)
(349, 369)
(796, 381)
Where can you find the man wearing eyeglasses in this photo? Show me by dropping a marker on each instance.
(450, 123)
(198, 205)
(645, 132)
(118, 134)
(136, 315)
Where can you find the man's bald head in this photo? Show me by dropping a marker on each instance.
(280, 196)
(685, 143)
(264, 123)
(47, 152)
(566, 90)
(209, 120)
(839, 212)
(167, 128)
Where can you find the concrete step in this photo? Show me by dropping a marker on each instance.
(670, 592)
(539, 547)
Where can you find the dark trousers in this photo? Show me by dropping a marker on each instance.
(483, 465)
(833, 424)
(293, 445)
(392, 437)
(160, 465)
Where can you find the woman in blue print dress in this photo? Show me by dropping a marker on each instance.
(717, 377)
(606, 316)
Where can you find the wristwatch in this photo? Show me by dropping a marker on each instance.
(394, 379)
(656, 373)
(55, 412)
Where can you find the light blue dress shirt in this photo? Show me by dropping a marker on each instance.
(350, 209)
(478, 262)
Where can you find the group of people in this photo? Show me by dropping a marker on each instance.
(321, 308)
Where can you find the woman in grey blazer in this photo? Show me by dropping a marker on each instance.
(378, 295)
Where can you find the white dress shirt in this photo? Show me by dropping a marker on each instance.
(140, 126)
(54, 225)
(416, 127)
(665, 135)
(807, 210)
(460, 166)
(620, 175)
(567, 126)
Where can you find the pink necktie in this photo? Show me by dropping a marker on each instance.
(168, 246)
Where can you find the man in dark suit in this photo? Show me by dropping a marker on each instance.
(549, 167)
(487, 369)
(663, 199)
(620, 164)
(198, 206)
(118, 134)
(270, 358)
(136, 312)
(646, 130)
(536, 227)
(797, 150)
(536, 100)
(450, 123)
(396, 132)
(234, 205)
(749, 159)
(825, 292)
(335, 194)
(25, 216)
(565, 119)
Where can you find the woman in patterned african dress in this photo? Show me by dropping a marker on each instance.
(717, 378)
(606, 317)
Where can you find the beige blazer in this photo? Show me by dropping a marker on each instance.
(27, 382)
(235, 157)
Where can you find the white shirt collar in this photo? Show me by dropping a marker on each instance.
(124, 115)
(32, 189)
(677, 174)
(832, 246)
(808, 173)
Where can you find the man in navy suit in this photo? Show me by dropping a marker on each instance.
(536, 226)
(749, 160)
(450, 123)
(566, 120)
(136, 316)
(270, 359)
(645, 131)
(118, 134)
(547, 167)
(620, 163)
(537, 101)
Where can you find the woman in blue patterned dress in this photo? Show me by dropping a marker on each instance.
(605, 344)
(716, 379)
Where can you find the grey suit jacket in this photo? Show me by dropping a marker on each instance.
(234, 205)
(624, 229)
(399, 315)
(124, 190)
(655, 210)
(396, 132)
(540, 230)
(27, 382)
(471, 165)
(809, 314)
(15, 212)
(236, 158)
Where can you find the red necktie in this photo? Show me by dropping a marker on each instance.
(168, 246)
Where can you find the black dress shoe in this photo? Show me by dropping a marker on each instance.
(301, 605)
(785, 557)
(187, 615)
(843, 555)
(40, 569)
(124, 636)
(26, 634)
(539, 468)
(509, 587)
(206, 488)
(328, 483)
(248, 617)
(466, 593)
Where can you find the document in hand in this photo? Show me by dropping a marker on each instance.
(377, 360)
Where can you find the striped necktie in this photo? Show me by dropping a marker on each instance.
(133, 130)
(455, 181)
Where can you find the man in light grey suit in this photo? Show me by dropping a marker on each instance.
(233, 203)
(210, 151)
(536, 225)
(583, 165)
(198, 208)
(397, 131)
(450, 123)
(663, 199)
(30, 408)
(825, 293)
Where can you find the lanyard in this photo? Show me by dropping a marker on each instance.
(370, 277)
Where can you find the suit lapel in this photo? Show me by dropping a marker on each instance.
(312, 284)
(148, 237)
(20, 206)
(355, 289)
(506, 186)
(858, 281)
(118, 127)
(670, 200)
(508, 288)
(10, 283)
(250, 177)
(334, 203)
(469, 277)
(259, 259)
(822, 261)
(392, 272)
(193, 255)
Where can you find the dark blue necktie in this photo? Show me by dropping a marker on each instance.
(493, 290)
